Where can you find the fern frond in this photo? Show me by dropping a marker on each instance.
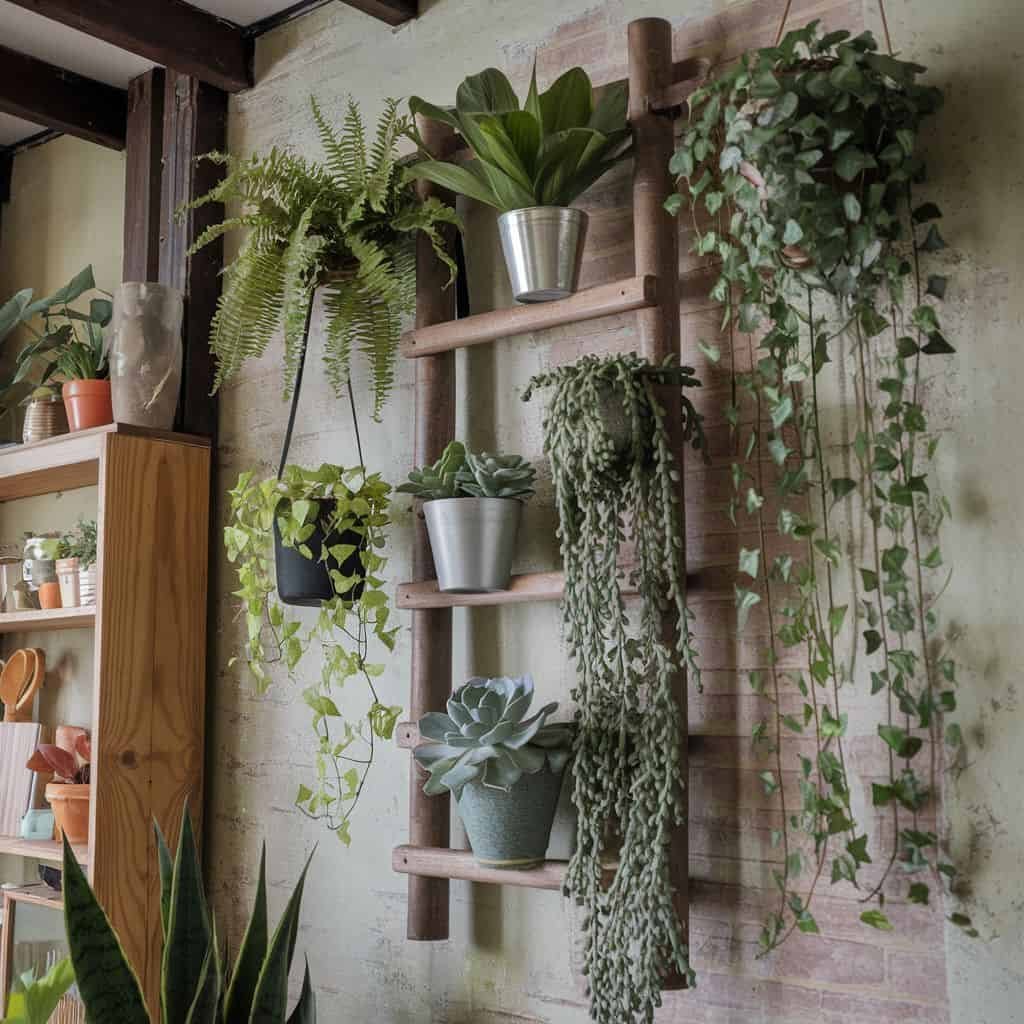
(341, 305)
(425, 217)
(384, 155)
(299, 264)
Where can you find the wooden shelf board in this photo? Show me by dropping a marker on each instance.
(46, 620)
(436, 862)
(604, 300)
(48, 850)
(39, 895)
(67, 462)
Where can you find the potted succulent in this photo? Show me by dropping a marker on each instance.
(504, 769)
(472, 505)
(68, 794)
(80, 546)
(347, 225)
(530, 162)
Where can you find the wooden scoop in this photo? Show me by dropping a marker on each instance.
(21, 678)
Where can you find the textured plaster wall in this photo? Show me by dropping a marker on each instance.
(512, 954)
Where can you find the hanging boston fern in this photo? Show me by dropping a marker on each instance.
(348, 225)
(801, 162)
(616, 483)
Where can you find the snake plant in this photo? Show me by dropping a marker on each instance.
(460, 473)
(194, 986)
(486, 735)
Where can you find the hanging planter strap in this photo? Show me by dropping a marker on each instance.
(881, 10)
(295, 398)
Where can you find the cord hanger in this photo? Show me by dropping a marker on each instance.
(881, 10)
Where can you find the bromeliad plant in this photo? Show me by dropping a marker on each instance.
(486, 736)
(802, 166)
(545, 152)
(347, 225)
(616, 482)
(339, 502)
(196, 987)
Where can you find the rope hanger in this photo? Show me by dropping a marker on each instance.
(881, 10)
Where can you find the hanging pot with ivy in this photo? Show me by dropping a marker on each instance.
(800, 165)
(615, 479)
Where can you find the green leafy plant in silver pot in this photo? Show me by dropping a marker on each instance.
(473, 505)
(530, 162)
(504, 768)
(196, 987)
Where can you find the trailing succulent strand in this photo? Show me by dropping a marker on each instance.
(803, 159)
(347, 225)
(486, 736)
(615, 480)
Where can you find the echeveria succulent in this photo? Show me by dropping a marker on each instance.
(486, 735)
(439, 480)
(497, 476)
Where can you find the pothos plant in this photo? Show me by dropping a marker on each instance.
(616, 483)
(801, 166)
(342, 504)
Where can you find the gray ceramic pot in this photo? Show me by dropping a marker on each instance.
(473, 541)
(543, 247)
(511, 830)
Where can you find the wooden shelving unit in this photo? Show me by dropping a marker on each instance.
(656, 90)
(148, 689)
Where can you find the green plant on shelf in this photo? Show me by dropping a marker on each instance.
(545, 152)
(353, 506)
(347, 225)
(460, 473)
(196, 986)
(34, 1000)
(616, 483)
(801, 167)
(80, 543)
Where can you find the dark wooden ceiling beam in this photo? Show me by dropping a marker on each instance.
(44, 94)
(167, 32)
(394, 12)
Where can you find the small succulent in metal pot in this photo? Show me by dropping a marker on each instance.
(496, 476)
(486, 736)
(439, 480)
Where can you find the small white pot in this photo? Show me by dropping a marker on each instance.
(87, 586)
(68, 578)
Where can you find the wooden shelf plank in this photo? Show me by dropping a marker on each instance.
(39, 895)
(45, 621)
(436, 862)
(590, 304)
(48, 850)
(69, 461)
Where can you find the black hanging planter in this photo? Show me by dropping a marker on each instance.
(306, 581)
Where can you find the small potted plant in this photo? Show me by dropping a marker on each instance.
(472, 505)
(81, 546)
(504, 769)
(530, 162)
(68, 794)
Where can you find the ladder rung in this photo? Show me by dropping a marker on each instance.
(437, 862)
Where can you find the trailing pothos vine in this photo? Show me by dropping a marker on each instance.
(350, 508)
(616, 482)
(801, 167)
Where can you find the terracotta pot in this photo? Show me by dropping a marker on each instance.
(70, 805)
(88, 403)
(49, 595)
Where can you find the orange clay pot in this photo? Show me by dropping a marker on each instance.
(49, 595)
(87, 403)
(70, 805)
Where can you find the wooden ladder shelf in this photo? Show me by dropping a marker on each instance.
(654, 90)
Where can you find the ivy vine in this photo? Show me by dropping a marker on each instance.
(801, 165)
(616, 482)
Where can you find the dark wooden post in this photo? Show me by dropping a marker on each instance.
(429, 816)
(144, 147)
(195, 122)
(656, 238)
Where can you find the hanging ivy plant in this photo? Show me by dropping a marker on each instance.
(615, 482)
(349, 505)
(801, 167)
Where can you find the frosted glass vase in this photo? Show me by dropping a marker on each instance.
(145, 354)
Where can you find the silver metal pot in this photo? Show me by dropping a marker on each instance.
(543, 247)
(473, 541)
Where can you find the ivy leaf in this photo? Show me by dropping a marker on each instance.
(938, 346)
(793, 233)
(836, 617)
(873, 640)
(858, 850)
(851, 207)
(830, 550)
(906, 347)
(926, 212)
(900, 741)
(876, 919)
(673, 204)
(870, 579)
(933, 559)
(954, 736)
(792, 723)
(768, 780)
(778, 450)
(713, 352)
(850, 161)
(841, 487)
(750, 561)
(754, 501)
(745, 600)
(881, 795)
(918, 893)
(937, 285)
(781, 412)
(933, 242)
(806, 923)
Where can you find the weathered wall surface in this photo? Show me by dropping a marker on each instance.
(512, 954)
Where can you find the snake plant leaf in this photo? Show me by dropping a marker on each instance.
(188, 929)
(270, 1000)
(489, 92)
(166, 867)
(305, 1008)
(242, 988)
(207, 1000)
(108, 985)
(82, 282)
(568, 103)
(12, 312)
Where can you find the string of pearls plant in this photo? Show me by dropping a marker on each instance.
(615, 482)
